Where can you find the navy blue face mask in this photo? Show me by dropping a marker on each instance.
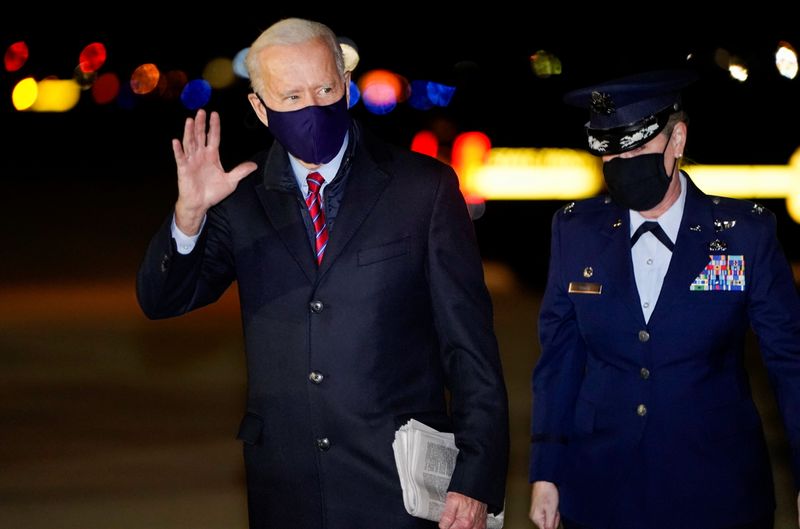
(638, 183)
(313, 134)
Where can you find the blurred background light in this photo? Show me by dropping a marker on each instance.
(440, 94)
(171, 84)
(350, 53)
(16, 56)
(380, 90)
(24, 94)
(57, 95)
(722, 58)
(106, 88)
(239, 64)
(196, 94)
(84, 79)
(144, 79)
(738, 70)
(219, 73)
(425, 142)
(419, 95)
(786, 60)
(545, 64)
(92, 57)
(355, 94)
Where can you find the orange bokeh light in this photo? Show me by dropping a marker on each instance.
(144, 79)
(381, 87)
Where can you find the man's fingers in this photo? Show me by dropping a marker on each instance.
(200, 129)
(242, 170)
(213, 130)
(449, 515)
(177, 150)
(188, 136)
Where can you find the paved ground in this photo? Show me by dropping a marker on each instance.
(108, 420)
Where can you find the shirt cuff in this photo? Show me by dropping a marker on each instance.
(185, 243)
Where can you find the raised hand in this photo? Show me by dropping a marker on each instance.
(202, 182)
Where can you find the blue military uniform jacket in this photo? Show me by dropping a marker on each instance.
(652, 425)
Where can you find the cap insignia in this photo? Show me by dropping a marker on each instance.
(602, 103)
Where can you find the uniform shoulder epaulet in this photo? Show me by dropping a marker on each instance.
(736, 205)
(589, 204)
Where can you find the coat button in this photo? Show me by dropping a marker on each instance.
(323, 443)
(644, 336)
(316, 306)
(641, 410)
(316, 377)
(644, 373)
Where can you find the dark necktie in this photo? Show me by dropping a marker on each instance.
(657, 230)
(314, 204)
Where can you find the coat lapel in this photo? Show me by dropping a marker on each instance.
(690, 255)
(365, 184)
(278, 195)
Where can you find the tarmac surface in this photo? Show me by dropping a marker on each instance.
(109, 420)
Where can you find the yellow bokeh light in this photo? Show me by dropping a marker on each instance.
(219, 73)
(57, 95)
(566, 174)
(545, 64)
(25, 93)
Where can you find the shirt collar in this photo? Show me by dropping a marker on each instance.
(328, 170)
(670, 220)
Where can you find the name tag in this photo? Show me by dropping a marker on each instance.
(578, 287)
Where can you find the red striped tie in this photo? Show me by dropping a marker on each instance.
(314, 204)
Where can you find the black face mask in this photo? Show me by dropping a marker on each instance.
(638, 183)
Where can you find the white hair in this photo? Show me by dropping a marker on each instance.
(287, 32)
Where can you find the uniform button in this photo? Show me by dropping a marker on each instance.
(644, 373)
(644, 336)
(323, 443)
(316, 306)
(641, 411)
(646, 304)
(316, 377)
(649, 261)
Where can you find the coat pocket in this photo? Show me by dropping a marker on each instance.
(383, 252)
(251, 429)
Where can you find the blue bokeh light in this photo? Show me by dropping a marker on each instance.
(196, 94)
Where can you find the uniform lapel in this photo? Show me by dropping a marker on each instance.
(617, 254)
(690, 255)
(278, 196)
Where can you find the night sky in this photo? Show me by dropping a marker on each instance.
(86, 189)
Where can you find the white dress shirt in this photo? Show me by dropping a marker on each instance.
(650, 257)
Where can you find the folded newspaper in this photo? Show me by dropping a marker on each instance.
(425, 461)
